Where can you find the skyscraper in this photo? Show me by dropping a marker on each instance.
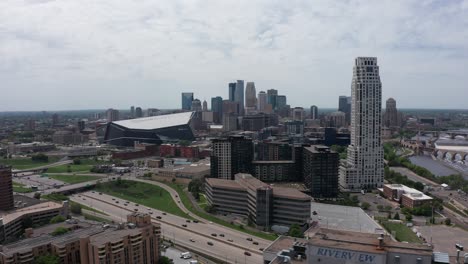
(132, 112)
(217, 109)
(262, 101)
(320, 170)
(391, 116)
(314, 112)
(298, 114)
(344, 105)
(232, 91)
(271, 99)
(250, 95)
(205, 105)
(112, 115)
(230, 156)
(239, 96)
(187, 99)
(280, 102)
(196, 105)
(364, 165)
(6, 189)
(138, 112)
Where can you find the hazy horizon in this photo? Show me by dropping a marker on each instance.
(113, 54)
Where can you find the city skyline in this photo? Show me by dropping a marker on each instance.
(171, 48)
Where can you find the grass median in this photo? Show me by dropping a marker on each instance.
(72, 179)
(188, 204)
(26, 163)
(402, 232)
(21, 188)
(142, 193)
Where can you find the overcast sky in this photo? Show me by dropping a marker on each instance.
(82, 54)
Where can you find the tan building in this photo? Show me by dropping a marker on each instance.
(262, 204)
(405, 195)
(134, 243)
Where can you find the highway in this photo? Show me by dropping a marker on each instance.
(194, 236)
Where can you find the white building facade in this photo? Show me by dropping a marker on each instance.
(364, 167)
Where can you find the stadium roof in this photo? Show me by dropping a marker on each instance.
(155, 122)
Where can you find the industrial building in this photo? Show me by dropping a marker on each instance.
(329, 246)
(408, 197)
(263, 204)
(155, 130)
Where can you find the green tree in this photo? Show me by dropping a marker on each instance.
(448, 221)
(295, 231)
(76, 161)
(365, 205)
(388, 208)
(47, 259)
(379, 207)
(69, 168)
(397, 216)
(60, 231)
(57, 219)
(41, 157)
(409, 218)
(75, 208)
(165, 260)
(37, 195)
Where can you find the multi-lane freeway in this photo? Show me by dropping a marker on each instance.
(227, 245)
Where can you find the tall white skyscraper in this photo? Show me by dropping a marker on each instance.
(364, 167)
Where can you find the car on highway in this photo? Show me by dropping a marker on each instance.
(136, 204)
(192, 240)
(188, 221)
(136, 210)
(209, 243)
(164, 213)
(261, 249)
(158, 217)
(195, 221)
(221, 235)
(255, 243)
(230, 240)
(249, 239)
(247, 253)
(184, 225)
(113, 199)
(116, 201)
(215, 235)
(150, 212)
(100, 193)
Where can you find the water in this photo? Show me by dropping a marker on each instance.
(434, 166)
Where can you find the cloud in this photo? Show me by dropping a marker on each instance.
(150, 51)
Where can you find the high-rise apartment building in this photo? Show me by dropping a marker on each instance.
(230, 156)
(337, 119)
(239, 96)
(262, 101)
(391, 117)
(298, 114)
(112, 115)
(187, 99)
(314, 112)
(320, 171)
(250, 95)
(6, 189)
(217, 109)
(364, 165)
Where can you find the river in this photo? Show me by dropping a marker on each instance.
(435, 166)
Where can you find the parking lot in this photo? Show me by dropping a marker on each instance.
(444, 237)
(374, 200)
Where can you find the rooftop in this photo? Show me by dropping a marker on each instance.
(221, 183)
(409, 192)
(155, 122)
(290, 193)
(113, 235)
(249, 181)
(15, 214)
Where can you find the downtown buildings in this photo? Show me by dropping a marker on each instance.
(187, 99)
(364, 167)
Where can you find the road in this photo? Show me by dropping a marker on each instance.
(172, 229)
(55, 164)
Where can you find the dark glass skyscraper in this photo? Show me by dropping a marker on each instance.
(217, 109)
(187, 99)
(320, 170)
(232, 91)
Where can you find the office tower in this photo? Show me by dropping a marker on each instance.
(6, 189)
(259, 121)
(391, 117)
(344, 105)
(232, 92)
(280, 102)
(320, 171)
(337, 119)
(230, 107)
(230, 121)
(132, 112)
(239, 96)
(187, 99)
(205, 105)
(294, 127)
(314, 112)
(55, 119)
(80, 125)
(112, 115)
(196, 105)
(271, 97)
(250, 95)
(138, 112)
(262, 101)
(230, 156)
(152, 112)
(298, 114)
(364, 165)
(217, 109)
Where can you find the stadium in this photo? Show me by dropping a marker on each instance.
(154, 130)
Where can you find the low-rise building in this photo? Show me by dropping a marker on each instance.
(68, 138)
(406, 196)
(329, 246)
(196, 170)
(263, 204)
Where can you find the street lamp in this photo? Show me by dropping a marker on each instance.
(459, 248)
